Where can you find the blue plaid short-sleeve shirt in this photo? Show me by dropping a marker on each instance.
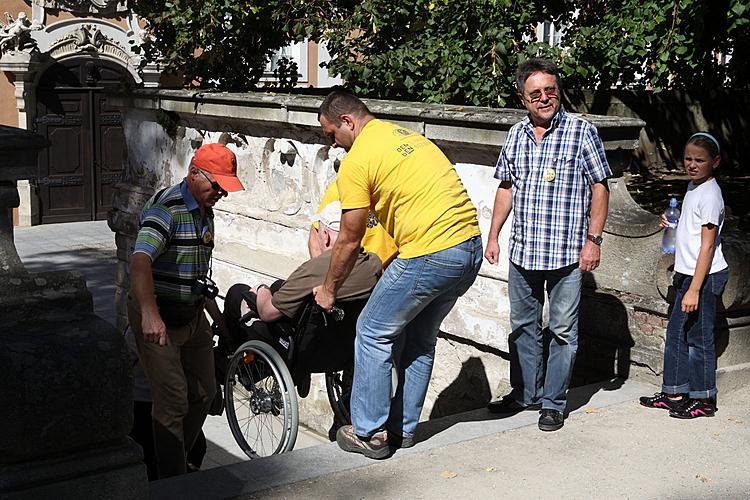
(551, 212)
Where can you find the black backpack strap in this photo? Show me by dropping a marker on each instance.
(161, 192)
(156, 198)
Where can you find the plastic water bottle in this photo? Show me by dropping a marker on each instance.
(670, 232)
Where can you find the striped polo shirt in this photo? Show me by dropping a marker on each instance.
(179, 245)
(551, 189)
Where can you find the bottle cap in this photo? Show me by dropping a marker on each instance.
(673, 203)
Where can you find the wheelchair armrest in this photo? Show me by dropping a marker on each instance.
(251, 299)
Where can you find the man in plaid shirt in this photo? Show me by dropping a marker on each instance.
(552, 172)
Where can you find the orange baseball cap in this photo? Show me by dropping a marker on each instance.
(219, 161)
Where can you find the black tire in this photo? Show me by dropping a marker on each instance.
(260, 401)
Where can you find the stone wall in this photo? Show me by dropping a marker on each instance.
(284, 163)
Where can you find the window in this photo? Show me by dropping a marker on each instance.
(296, 52)
(548, 32)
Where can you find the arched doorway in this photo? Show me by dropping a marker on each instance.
(77, 173)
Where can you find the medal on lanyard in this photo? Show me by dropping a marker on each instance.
(549, 174)
(207, 237)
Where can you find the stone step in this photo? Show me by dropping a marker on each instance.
(243, 479)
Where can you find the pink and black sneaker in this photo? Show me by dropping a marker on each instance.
(660, 400)
(694, 408)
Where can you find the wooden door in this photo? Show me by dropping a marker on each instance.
(65, 173)
(77, 173)
(109, 145)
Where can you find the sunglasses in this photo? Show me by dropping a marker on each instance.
(535, 96)
(214, 185)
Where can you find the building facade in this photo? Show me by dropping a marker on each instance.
(59, 59)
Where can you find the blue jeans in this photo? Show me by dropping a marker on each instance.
(689, 350)
(399, 325)
(526, 292)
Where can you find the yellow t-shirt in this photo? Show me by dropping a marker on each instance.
(375, 240)
(410, 186)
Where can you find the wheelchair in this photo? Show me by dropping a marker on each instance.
(259, 384)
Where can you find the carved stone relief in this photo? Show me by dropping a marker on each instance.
(88, 38)
(85, 6)
(15, 34)
(283, 175)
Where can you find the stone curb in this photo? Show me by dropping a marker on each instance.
(240, 480)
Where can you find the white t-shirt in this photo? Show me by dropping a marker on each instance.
(703, 204)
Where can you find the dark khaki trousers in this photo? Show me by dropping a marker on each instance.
(181, 376)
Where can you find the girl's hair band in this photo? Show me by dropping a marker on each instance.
(706, 134)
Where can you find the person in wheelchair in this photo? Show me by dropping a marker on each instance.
(325, 342)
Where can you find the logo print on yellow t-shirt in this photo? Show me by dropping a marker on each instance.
(405, 149)
(402, 131)
(372, 221)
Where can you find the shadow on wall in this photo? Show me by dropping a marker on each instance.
(469, 390)
(604, 337)
(604, 356)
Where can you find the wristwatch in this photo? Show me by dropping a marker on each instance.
(596, 239)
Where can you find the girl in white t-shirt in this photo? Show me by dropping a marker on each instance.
(689, 385)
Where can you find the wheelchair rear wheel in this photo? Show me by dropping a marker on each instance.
(339, 388)
(260, 401)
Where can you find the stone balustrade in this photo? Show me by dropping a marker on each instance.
(285, 164)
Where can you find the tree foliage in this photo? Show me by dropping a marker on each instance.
(437, 50)
(457, 51)
(448, 51)
(658, 44)
(219, 44)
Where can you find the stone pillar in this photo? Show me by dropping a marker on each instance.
(9, 261)
(23, 67)
(123, 221)
(66, 390)
(28, 208)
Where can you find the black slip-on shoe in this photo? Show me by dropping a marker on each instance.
(509, 405)
(550, 420)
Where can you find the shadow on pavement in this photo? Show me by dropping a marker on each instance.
(578, 397)
(97, 264)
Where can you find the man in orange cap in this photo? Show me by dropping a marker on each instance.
(169, 287)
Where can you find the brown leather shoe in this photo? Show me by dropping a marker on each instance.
(376, 446)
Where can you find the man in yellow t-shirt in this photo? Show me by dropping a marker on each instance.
(375, 240)
(416, 194)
